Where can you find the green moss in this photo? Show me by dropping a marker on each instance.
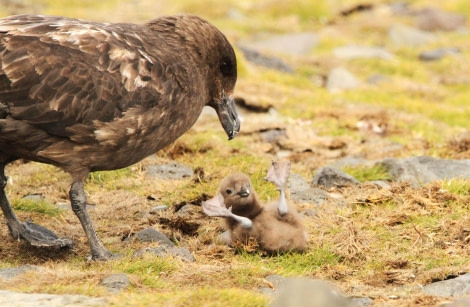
(39, 206)
(147, 265)
(246, 275)
(204, 296)
(292, 264)
(368, 173)
(425, 221)
(105, 177)
(457, 186)
(120, 179)
(221, 297)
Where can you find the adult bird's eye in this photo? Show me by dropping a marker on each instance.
(228, 191)
(226, 67)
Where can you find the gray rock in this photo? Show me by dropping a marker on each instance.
(34, 197)
(152, 235)
(289, 292)
(9, 273)
(188, 212)
(309, 212)
(158, 208)
(420, 170)
(340, 79)
(430, 19)
(408, 36)
(170, 170)
(292, 43)
(116, 282)
(452, 287)
(313, 196)
(296, 183)
(15, 299)
(224, 238)
(275, 280)
(358, 52)
(307, 292)
(185, 210)
(377, 79)
(260, 59)
(266, 291)
(330, 177)
(382, 184)
(437, 54)
(301, 192)
(362, 301)
(180, 252)
(273, 135)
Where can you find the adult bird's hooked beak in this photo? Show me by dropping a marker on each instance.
(228, 116)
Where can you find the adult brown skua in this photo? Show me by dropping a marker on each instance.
(87, 96)
(276, 226)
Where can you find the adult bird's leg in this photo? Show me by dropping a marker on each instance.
(79, 203)
(12, 221)
(35, 234)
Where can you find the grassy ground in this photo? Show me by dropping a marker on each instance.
(384, 244)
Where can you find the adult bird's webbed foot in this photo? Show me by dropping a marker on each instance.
(278, 174)
(36, 235)
(40, 236)
(216, 207)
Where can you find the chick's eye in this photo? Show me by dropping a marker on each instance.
(228, 191)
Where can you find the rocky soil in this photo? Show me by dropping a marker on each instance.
(320, 186)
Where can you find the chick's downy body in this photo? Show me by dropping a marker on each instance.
(273, 231)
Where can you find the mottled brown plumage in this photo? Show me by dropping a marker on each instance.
(276, 226)
(88, 96)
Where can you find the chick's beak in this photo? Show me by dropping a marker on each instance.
(228, 115)
(244, 192)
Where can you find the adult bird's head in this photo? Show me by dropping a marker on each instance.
(221, 69)
(225, 70)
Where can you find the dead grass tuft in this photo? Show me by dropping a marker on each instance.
(347, 239)
(459, 147)
(351, 243)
